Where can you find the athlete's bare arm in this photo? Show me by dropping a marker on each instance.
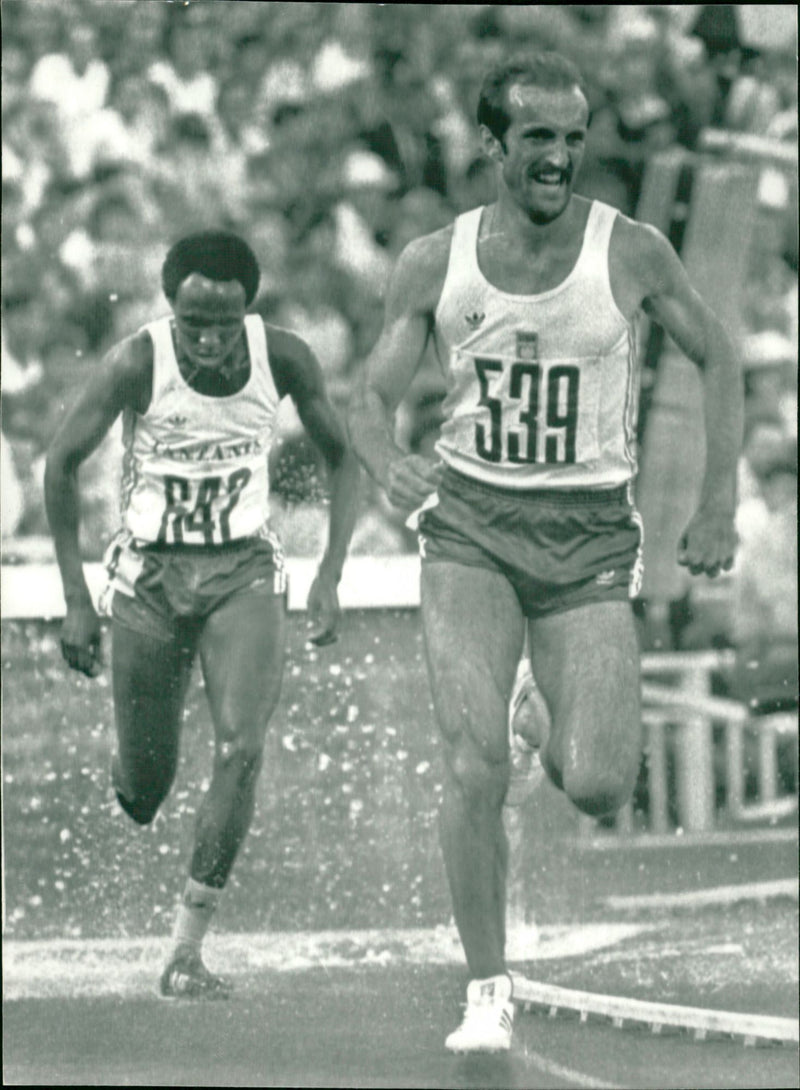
(657, 275)
(123, 380)
(412, 296)
(299, 375)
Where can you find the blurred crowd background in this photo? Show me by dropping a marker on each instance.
(330, 135)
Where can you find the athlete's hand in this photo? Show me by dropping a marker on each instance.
(323, 610)
(709, 542)
(80, 639)
(411, 480)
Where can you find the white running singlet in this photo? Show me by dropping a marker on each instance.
(542, 390)
(195, 467)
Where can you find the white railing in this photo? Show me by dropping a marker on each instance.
(679, 721)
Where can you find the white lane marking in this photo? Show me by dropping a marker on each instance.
(716, 895)
(69, 967)
(610, 842)
(568, 1074)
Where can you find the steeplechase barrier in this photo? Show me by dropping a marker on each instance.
(695, 740)
(702, 1023)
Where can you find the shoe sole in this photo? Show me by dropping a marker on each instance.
(209, 995)
(203, 997)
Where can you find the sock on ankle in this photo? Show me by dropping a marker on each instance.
(197, 906)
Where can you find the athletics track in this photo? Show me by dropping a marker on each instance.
(97, 1021)
(337, 928)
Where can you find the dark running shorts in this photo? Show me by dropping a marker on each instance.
(167, 592)
(558, 549)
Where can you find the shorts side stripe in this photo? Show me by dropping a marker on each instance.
(637, 571)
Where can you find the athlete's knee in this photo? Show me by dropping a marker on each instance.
(597, 793)
(140, 801)
(240, 759)
(142, 810)
(477, 772)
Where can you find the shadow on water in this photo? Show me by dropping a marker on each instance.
(488, 1072)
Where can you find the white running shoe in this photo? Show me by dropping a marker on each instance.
(488, 1018)
(528, 724)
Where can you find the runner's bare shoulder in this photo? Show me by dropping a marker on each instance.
(419, 275)
(639, 256)
(128, 367)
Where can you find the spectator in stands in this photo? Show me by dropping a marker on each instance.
(753, 100)
(770, 369)
(117, 259)
(415, 117)
(193, 188)
(310, 306)
(32, 132)
(238, 129)
(15, 72)
(39, 28)
(17, 234)
(770, 297)
(692, 88)
(75, 80)
(246, 65)
(345, 57)
(454, 131)
(476, 186)
(765, 607)
(363, 219)
(269, 230)
(632, 124)
(420, 211)
(717, 27)
(142, 113)
(783, 125)
(12, 495)
(184, 72)
(139, 37)
(765, 442)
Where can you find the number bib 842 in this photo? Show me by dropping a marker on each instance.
(200, 508)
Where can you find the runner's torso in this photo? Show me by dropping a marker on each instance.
(195, 467)
(542, 390)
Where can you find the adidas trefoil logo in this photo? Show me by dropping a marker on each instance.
(177, 421)
(475, 319)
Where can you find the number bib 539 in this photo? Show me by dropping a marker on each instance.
(536, 412)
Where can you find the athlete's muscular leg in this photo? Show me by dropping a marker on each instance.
(242, 653)
(473, 635)
(150, 678)
(586, 663)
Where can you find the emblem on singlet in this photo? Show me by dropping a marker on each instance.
(527, 345)
(475, 320)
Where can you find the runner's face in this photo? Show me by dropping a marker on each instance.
(209, 319)
(544, 147)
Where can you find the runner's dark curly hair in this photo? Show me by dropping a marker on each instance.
(219, 255)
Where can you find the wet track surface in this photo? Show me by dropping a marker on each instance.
(344, 838)
(357, 1028)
